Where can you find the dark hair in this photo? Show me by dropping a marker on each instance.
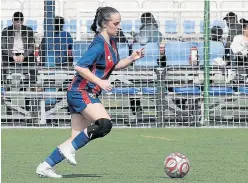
(102, 15)
(216, 33)
(18, 16)
(230, 15)
(148, 18)
(58, 23)
(244, 23)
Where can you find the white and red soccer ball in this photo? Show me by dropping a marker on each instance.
(176, 165)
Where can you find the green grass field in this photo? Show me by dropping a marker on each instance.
(129, 155)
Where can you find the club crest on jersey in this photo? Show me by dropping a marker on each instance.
(109, 58)
(92, 95)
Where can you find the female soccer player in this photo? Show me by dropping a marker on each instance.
(89, 118)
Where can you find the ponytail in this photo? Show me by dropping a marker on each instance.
(95, 22)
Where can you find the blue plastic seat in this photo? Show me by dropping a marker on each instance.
(32, 24)
(88, 25)
(243, 90)
(189, 26)
(2, 90)
(73, 25)
(66, 26)
(170, 26)
(216, 50)
(9, 22)
(149, 90)
(201, 27)
(50, 101)
(187, 90)
(151, 54)
(220, 91)
(126, 25)
(219, 23)
(130, 91)
(79, 48)
(123, 50)
(177, 53)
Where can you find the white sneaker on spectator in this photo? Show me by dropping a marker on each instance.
(69, 153)
(45, 170)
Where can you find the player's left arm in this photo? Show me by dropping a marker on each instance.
(123, 63)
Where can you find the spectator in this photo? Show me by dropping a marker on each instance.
(216, 33)
(234, 29)
(17, 43)
(149, 30)
(18, 50)
(62, 44)
(239, 45)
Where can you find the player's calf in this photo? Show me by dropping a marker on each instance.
(98, 129)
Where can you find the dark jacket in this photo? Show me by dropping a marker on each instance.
(8, 41)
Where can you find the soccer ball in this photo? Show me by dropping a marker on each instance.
(176, 165)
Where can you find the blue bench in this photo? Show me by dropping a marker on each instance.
(187, 90)
(133, 90)
(216, 91)
(243, 90)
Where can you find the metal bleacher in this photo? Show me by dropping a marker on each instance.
(169, 95)
(159, 89)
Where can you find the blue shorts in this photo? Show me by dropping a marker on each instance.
(78, 100)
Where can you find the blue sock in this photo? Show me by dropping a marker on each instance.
(55, 157)
(80, 140)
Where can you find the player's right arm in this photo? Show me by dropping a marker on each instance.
(82, 66)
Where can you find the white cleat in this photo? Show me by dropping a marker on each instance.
(45, 170)
(69, 153)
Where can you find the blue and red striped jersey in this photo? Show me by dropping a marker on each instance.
(100, 59)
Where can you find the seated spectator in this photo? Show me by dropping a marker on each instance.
(17, 43)
(234, 29)
(239, 46)
(62, 44)
(148, 31)
(18, 50)
(216, 33)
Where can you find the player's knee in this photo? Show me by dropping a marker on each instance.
(100, 128)
(105, 125)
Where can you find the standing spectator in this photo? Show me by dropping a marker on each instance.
(62, 44)
(18, 49)
(235, 28)
(149, 30)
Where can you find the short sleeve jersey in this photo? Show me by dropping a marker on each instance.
(100, 59)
